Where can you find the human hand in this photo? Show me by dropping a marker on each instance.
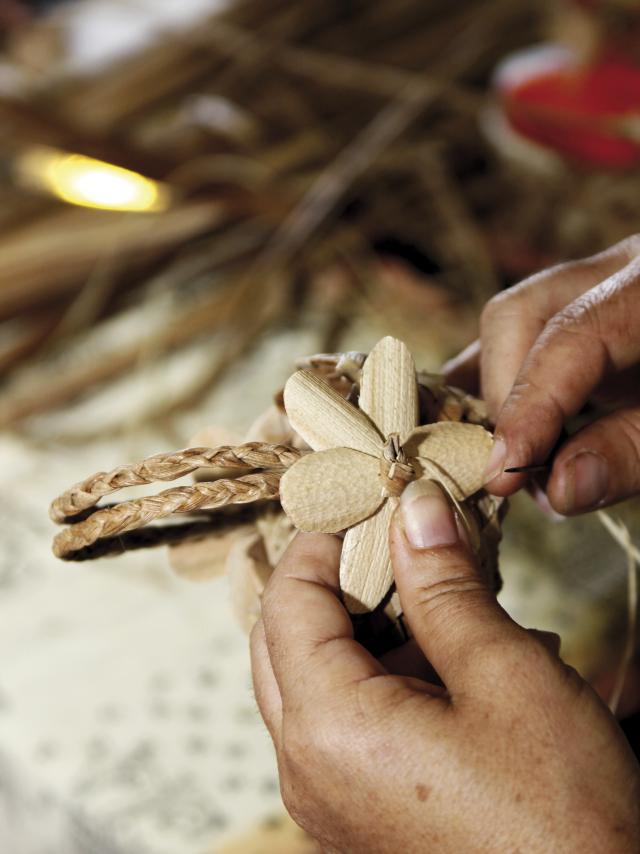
(561, 338)
(516, 753)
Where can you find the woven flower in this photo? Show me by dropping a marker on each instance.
(364, 457)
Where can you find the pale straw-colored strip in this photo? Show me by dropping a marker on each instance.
(252, 455)
(129, 515)
(621, 535)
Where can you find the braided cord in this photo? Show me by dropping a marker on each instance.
(162, 467)
(129, 515)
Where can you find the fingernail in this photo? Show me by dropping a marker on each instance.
(586, 479)
(542, 500)
(428, 519)
(497, 459)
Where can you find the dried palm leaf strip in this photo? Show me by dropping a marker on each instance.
(159, 467)
(620, 533)
(130, 515)
(53, 255)
(332, 68)
(34, 122)
(42, 386)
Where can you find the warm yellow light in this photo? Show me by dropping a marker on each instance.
(81, 180)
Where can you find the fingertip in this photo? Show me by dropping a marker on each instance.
(428, 520)
(497, 459)
(579, 482)
(426, 536)
(506, 484)
(323, 546)
(556, 492)
(318, 553)
(541, 499)
(506, 454)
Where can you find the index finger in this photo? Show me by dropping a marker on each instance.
(577, 349)
(512, 321)
(308, 630)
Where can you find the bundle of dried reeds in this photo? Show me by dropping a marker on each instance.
(293, 138)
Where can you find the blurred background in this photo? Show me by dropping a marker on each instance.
(194, 195)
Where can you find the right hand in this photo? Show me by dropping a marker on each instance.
(547, 347)
(514, 753)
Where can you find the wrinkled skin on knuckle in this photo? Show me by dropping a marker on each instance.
(510, 303)
(502, 663)
(580, 317)
(443, 600)
(516, 420)
(624, 326)
(491, 308)
(608, 311)
(631, 246)
(603, 323)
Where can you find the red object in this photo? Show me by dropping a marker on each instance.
(589, 114)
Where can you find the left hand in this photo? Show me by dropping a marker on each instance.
(564, 343)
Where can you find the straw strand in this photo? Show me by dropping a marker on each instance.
(129, 515)
(251, 455)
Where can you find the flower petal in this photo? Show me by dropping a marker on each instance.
(331, 490)
(365, 565)
(454, 453)
(324, 419)
(389, 388)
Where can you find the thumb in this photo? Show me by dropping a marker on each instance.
(452, 613)
(599, 465)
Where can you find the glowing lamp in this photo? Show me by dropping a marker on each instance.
(80, 180)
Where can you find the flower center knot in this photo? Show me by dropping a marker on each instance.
(395, 471)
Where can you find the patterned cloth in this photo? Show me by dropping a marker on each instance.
(127, 722)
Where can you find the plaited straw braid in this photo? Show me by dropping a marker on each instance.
(252, 455)
(180, 499)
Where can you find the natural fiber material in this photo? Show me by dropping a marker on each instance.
(389, 390)
(336, 488)
(309, 401)
(331, 490)
(252, 455)
(438, 401)
(297, 139)
(454, 453)
(182, 499)
(621, 535)
(373, 424)
(365, 567)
